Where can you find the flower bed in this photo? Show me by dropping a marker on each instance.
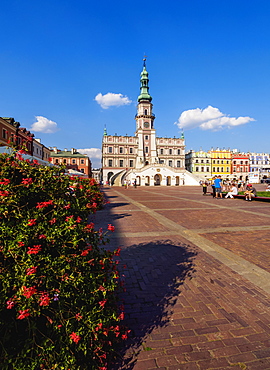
(58, 301)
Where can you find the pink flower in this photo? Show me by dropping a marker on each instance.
(111, 227)
(4, 193)
(121, 316)
(20, 244)
(31, 270)
(42, 236)
(35, 161)
(23, 314)
(102, 303)
(67, 206)
(69, 218)
(98, 327)
(19, 156)
(28, 292)
(31, 222)
(27, 181)
(52, 221)
(4, 182)
(10, 305)
(78, 219)
(44, 204)
(117, 252)
(44, 299)
(85, 252)
(75, 337)
(89, 227)
(34, 250)
(78, 316)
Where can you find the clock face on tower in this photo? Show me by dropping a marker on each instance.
(146, 124)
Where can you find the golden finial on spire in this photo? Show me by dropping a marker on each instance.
(144, 60)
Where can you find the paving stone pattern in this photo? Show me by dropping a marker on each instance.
(196, 272)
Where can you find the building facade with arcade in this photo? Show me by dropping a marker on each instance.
(144, 159)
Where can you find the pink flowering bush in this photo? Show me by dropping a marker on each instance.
(58, 285)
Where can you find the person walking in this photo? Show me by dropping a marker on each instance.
(204, 187)
(213, 187)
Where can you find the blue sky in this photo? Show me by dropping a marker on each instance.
(208, 64)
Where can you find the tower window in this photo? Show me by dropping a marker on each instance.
(161, 151)
(145, 112)
(110, 149)
(130, 150)
(110, 162)
(178, 152)
(170, 163)
(170, 151)
(121, 163)
(178, 164)
(146, 149)
(131, 163)
(146, 137)
(121, 150)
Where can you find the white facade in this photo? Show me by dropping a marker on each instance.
(144, 158)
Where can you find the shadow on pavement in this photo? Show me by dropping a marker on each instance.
(154, 274)
(120, 204)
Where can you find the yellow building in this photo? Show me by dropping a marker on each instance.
(221, 160)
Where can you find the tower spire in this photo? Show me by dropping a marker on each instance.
(144, 84)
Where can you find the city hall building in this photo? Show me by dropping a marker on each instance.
(144, 158)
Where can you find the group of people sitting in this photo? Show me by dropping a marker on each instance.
(217, 185)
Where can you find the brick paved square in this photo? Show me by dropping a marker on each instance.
(188, 308)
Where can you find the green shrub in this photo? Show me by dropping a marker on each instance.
(58, 285)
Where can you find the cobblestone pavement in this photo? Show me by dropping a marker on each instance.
(197, 277)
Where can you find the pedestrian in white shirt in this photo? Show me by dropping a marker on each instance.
(232, 192)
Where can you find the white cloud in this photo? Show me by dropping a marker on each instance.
(111, 99)
(209, 118)
(44, 125)
(94, 154)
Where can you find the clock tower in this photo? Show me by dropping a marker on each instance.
(145, 132)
